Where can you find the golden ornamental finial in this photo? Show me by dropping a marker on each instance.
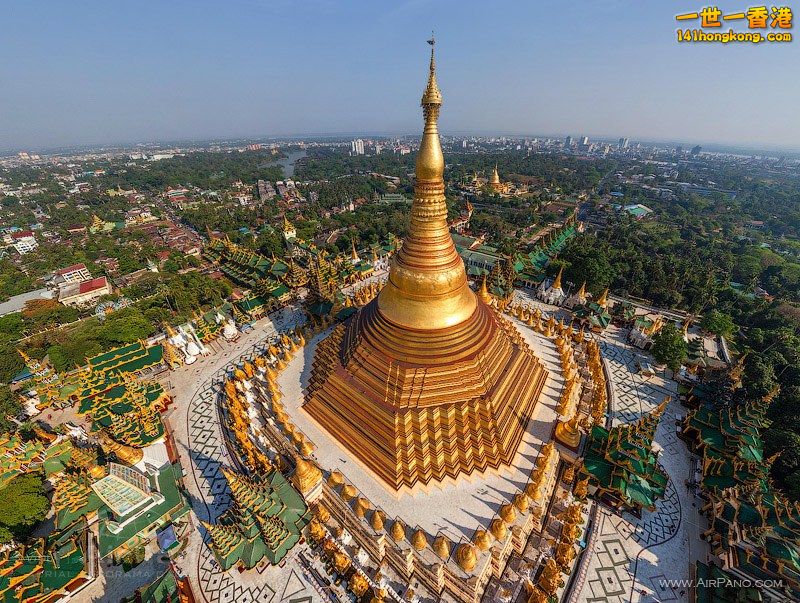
(432, 95)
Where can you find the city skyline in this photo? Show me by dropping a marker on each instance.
(277, 70)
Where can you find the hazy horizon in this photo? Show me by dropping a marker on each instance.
(93, 74)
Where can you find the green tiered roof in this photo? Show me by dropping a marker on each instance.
(711, 574)
(164, 589)
(128, 408)
(130, 358)
(621, 464)
(265, 520)
(753, 527)
(18, 456)
(246, 267)
(41, 571)
(730, 443)
(74, 499)
(593, 314)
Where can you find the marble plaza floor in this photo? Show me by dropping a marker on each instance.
(454, 510)
(633, 558)
(197, 432)
(629, 556)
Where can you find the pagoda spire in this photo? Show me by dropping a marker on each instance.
(427, 286)
(603, 301)
(557, 282)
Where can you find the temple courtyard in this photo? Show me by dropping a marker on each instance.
(628, 558)
(454, 510)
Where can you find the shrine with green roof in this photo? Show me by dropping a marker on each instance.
(46, 569)
(753, 528)
(264, 522)
(129, 516)
(621, 465)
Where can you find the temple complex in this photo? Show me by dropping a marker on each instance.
(265, 521)
(47, 569)
(754, 530)
(622, 466)
(495, 185)
(425, 384)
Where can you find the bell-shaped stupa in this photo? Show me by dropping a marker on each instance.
(426, 383)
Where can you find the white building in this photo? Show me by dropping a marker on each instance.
(85, 293)
(72, 274)
(357, 147)
(24, 241)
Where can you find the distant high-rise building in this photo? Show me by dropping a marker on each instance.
(623, 143)
(357, 147)
(378, 148)
(585, 141)
(568, 141)
(696, 150)
(464, 144)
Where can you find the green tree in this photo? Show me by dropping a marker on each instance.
(718, 323)
(10, 363)
(669, 347)
(9, 407)
(23, 504)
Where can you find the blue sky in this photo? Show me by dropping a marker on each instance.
(86, 72)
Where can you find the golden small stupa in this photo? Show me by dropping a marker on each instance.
(425, 382)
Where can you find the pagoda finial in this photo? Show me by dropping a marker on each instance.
(427, 286)
(484, 292)
(603, 301)
(557, 282)
(432, 94)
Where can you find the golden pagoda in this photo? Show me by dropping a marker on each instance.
(494, 182)
(426, 382)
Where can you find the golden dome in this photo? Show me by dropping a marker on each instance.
(321, 512)
(361, 507)
(557, 282)
(341, 562)
(466, 557)
(377, 520)
(442, 547)
(306, 475)
(306, 448)
(398, 530)
(507, 513)
(484, 294)
(418, 540)
(482, 540)
(316, 530)
(521, 502)
(495, 176)
(358, 584)
(533, 491)
(427, 286)
(349, 492)
(335, 479)
(498, 529)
